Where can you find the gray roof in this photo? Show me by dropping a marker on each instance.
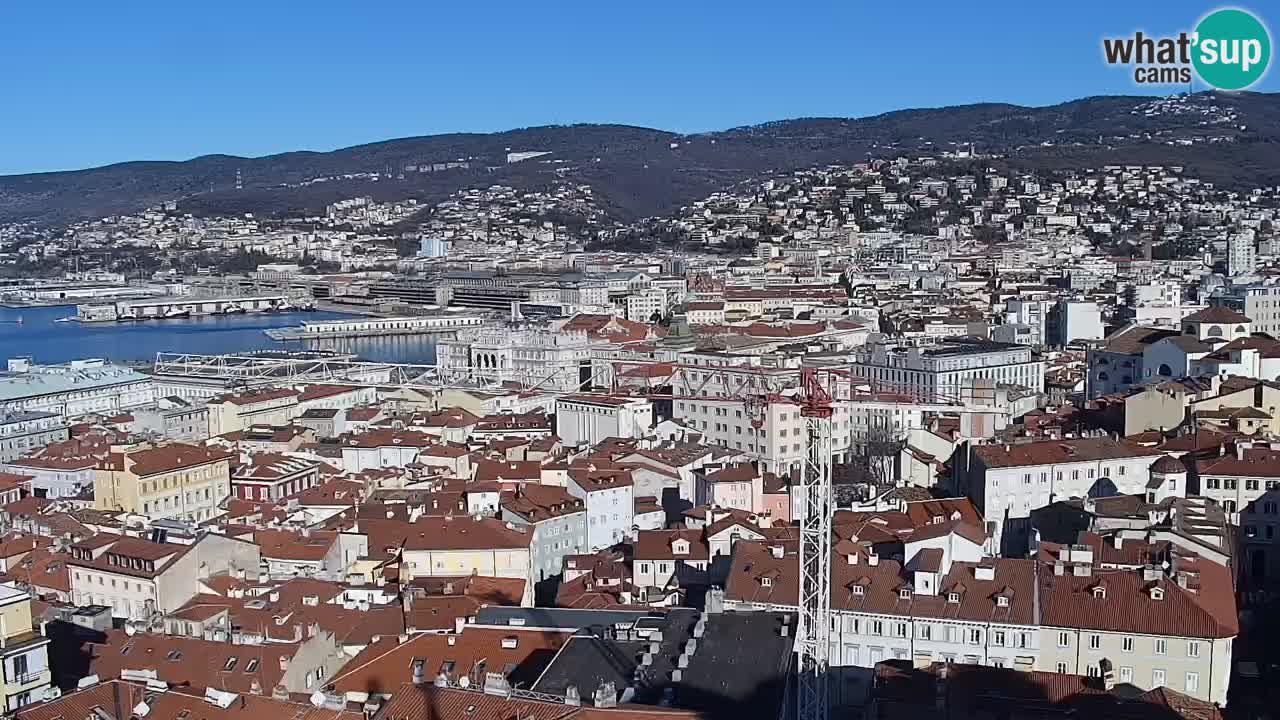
(46, 382)
(21, 416)
(565, 619)
(737, 671)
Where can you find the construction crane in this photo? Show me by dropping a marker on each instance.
(815, 550)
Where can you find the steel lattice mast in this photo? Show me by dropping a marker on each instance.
(815, 552)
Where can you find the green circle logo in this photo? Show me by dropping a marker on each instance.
(1232, 49)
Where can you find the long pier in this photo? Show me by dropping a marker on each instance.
(368, 327)
(177, 307)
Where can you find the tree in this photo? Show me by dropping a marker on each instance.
(875, 456)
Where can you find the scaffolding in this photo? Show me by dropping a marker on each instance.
(815, 551)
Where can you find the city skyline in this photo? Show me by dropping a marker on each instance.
(145, 83)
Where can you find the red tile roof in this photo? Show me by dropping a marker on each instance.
(1217, 314)
(464, 533)
(881, 585)
(174, 703)
(315, 392)
(191, 662)
(1053, 452)
(1256, 462)
(659, 545)
(165, 458)
(254, 396)
(389, 663)
(1127, 604)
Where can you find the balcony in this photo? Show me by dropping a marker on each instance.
(38, 677)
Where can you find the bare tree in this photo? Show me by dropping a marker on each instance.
(875, 454)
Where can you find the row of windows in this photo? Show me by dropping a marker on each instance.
(1232, 484)
(1160, 646)
(1075, 475)
(1159, 678)
(123, 584)
(925, 631)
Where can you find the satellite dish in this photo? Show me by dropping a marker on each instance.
(464, 681)
(317, 698)
(129, 629)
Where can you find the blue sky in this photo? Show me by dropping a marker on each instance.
(86, 82)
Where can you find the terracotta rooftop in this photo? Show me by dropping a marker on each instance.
(164, 458)
(520, 655)
(1056, 452)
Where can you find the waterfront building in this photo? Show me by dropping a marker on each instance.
(551, 361)
(73, 389)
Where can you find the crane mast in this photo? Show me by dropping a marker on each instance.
(815, 551)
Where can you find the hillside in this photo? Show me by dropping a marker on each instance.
(1232, 140)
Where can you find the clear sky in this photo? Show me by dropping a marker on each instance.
(91, 82)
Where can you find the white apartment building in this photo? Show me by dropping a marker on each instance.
(1260, 302)
(1073, 320)
(384, 448)
(1007, 482)
(942, 602)
(664, 560)
(1032, 312)
(74, 389)
(584, 420)
(773, 433)
(1154, 627)
(708, 312)
(137, 578)
(1242, 253)
(609, 496)
(949, 370)
(54, 476)
(642, 306)
(557, 520)
(1246, 484)
(541, 358)
(24, 652)
(26, 431)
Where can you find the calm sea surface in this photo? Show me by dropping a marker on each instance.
(51, 342)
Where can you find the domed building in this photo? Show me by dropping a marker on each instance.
(1168, 479)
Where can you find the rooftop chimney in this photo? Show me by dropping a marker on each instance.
(606, 695)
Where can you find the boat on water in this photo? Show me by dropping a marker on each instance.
(176, 314)
(233, 309)
(69, 318)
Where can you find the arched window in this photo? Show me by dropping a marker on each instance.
(1103, 376)
(1164, 370)
(1240, 329)
(1189, 330)
(1215, 331)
